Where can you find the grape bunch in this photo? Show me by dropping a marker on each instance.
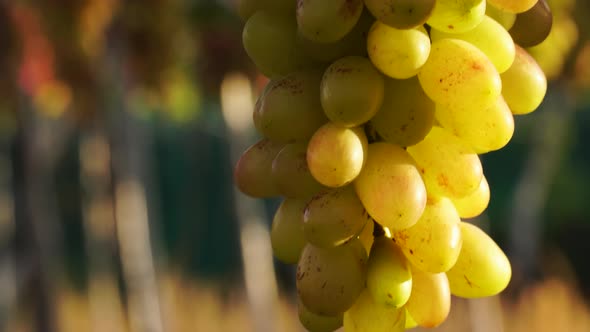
(372, 125)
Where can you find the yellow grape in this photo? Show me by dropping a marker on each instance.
(484, 130)
(407, 114)
(434, 243)
(475, 203)
(524, 83)
(286, 234)
(333, 217)
(329, 280)
(368, 316)
(490, 37)
(351, 91)
(247, 8)
(401, 14)
(459, 74)
(291, 174)
(390, 187)
(430, 302)
(398, 53)
(366, 236)
(513, 6)
(389, 279)
(449, 166)
(457, 15)
(335, 155)
(327, 21)
(317, 323)
(482, 268)
(506, 19)
(252, 170)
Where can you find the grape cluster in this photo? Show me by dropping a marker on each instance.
(373, 122)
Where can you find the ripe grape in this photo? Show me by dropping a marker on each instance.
(291, 174)
(327, 21)
(475, 203)
(351, 91)
(368, 316)
(252, 170)
(390, 187)
(401, 14)
(457, 15)
(430, 302)
(524, 83)
(506, 19)
(286, 234)
(513, 6)
(317, 323)
(533, 26)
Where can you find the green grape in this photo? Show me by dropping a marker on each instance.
(407, 114)
(484, 130)
(449, 167)
(401, 14)
(333, 217)
(270, 41)
(410, 322)
(390, 187)
(389, 279)
(286, 234)
(290, 109)
(430, 302)
(398, 53)
(317, 323)
(513, 6)
(252, 170)
(366, 236)
(490, 37)
(457, 15)
(327, 21)
(351, 91)
(329, 280)
(459, 74)
(524, 84)
(506, 19)
(291, 174)
(482, 268)
(354, 43)
(335, 155)
(533, 26)
(247, 8)
(434, 243)
(475, 203)
(368, 316)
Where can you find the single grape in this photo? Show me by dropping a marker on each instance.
(329, 280)
(327, 21)
(457, 15)
(434, 242)
(401, 14)
(368, 316)
(406, 115)
(533, 26)
(389, 279)
(286, 234)
(390, 187)
(335, 155)
(475, 203)
(506, 19)
(524, 84)
(398, 53)
(351, 91)
(449, 167)
(254, 166)
(430, 302)
(333, 217)
(513, 6)
(290, 109)
(317, 323)
(482, 268)
(291, 174)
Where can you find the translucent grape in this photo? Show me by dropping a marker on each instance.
(484, 130)
(335, 155)
(351, 91)
(449, 167)
(457, 15)
(490, 37)
(390, 187)
(290, 109)
(459, 74)
(407, 114)
(533, 26)
(368, 316)
(317, 323)
(252, 170)
(398, 53)
(286, 234)
(482, 268)
(513, 6)
(329, 280)
(434, 243)
(333, 217)
(291, 174)
(327, 21)
(430, 302)
(389, 279)
(524, 84)
(475, 203)
(401, 14)
(506, 19)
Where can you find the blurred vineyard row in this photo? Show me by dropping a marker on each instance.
(120, 121)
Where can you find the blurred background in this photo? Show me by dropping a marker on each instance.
(120, 123)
